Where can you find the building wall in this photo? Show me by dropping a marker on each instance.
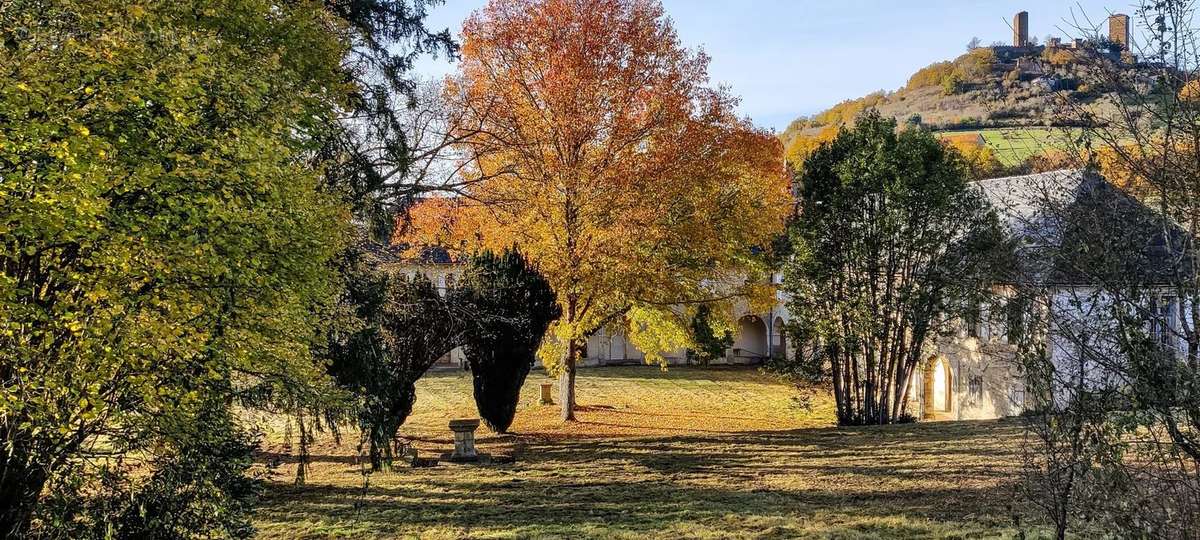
(1021, 29)
(751, 345)
(1118, 30)
(607, 347)
(982, 378)
(982, 372)
(986, 379)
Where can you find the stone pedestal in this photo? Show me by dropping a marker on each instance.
(546, 391)
(464, 439)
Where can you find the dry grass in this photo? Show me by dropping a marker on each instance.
(690, 453)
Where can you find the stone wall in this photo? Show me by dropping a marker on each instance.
(1118, 30)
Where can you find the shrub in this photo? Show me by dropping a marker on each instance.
(198, 489)
(1058, 56)
(954, 83)
(1190, 93)
(845, 112)
(712, 340)
(976, 64)
(931, 75)
(509, 306)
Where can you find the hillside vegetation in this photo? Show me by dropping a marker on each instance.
(999, 98)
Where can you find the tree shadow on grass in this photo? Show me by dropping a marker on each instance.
(906, 481)
(531, 508)
(684, 373)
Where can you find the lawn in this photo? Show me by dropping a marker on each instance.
(1014, 145)
(688, 453)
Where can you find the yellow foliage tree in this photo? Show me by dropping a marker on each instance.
(980, 158)
(804, 145)
(597, 146)
(1190, 93)
(931, 75)
(1058, 56)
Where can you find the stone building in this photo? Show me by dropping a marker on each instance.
(975, 373)
(759, 336)
(1021, 29)
(1118, 30)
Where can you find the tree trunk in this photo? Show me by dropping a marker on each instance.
(566, 384)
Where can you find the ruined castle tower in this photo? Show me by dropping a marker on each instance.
(1021, 29)
(1118, 30)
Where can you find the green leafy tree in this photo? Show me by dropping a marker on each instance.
(890, 246)
(509, 306)
(954, 83)
(711, 338)
(164, 238)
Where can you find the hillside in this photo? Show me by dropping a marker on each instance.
(1006, 95)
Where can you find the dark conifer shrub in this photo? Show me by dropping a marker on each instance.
(508, 306)
(406, 326)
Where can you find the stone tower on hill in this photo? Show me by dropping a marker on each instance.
(1118, 30)
(1021, 29)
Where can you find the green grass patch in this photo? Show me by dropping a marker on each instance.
(1014, 145)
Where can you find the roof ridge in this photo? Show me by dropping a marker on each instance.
(1073, 170)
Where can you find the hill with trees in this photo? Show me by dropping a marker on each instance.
(987, 88)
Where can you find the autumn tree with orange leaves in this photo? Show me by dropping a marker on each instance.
(598, 146)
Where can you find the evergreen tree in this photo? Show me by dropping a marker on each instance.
(510, 306)
(405, 326)
(711, 340)
(367, 151)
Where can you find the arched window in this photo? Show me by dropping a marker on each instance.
(752, 338)
(779, 347)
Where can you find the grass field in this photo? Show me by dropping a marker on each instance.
(689, 453)
(1015, 145)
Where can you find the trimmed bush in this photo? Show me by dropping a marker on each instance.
(508, 306)
(407, 326)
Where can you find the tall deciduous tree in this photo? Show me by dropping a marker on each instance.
(1114, 440)
(163, 243)
(890, 246)
(598, 147)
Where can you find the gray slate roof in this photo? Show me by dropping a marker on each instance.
(1073, 226)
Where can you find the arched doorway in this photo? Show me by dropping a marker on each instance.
(751, 342)
(938, 379)
(779, 343)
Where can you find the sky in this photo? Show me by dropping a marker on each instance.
(787, 58)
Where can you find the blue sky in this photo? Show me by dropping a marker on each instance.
(787, 58)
